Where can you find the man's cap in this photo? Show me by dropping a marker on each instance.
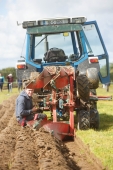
(26, 83)
(10, 75)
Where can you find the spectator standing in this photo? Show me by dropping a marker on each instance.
(10, 82)
(1, 82)
(19, 85)
(107, 86)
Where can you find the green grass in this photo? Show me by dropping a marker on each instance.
(4, 95)
(101, 141)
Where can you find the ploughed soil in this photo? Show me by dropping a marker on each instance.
(28, 149)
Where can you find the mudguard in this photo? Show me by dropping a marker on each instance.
(92, 74)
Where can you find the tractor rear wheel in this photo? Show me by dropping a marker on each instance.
(83, 120)
(83, 89)
(94, 119)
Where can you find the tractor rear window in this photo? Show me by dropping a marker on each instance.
(46, 42)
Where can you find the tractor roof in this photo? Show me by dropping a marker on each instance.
(54, 21)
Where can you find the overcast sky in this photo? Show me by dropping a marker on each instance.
(12, 36)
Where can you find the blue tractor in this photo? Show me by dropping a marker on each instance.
(60, 47)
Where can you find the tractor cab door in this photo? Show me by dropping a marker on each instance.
(97, 48)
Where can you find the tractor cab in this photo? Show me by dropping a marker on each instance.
(64, 41)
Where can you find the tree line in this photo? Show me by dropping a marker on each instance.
(111, 71)
(11, 70)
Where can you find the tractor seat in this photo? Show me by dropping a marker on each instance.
(37, 61)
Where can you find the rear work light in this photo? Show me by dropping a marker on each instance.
(93, 60)
(26, 24)
(79, 20)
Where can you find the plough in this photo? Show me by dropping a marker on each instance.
(54, 78)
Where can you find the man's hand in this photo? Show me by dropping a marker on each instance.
(34, 109)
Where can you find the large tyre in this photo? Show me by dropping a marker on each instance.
(83, 87)
(83, 120)
(94, 119)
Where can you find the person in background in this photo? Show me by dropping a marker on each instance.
(60, 105)
(19, 85)
(1, 82)
(25, 111)
(107, 86)
(10, 82)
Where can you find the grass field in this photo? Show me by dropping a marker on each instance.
(4, 95)
(101, 141)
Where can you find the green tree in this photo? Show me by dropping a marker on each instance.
(111, 71)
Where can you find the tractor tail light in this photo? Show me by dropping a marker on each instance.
(93, 60)
(21, 66)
